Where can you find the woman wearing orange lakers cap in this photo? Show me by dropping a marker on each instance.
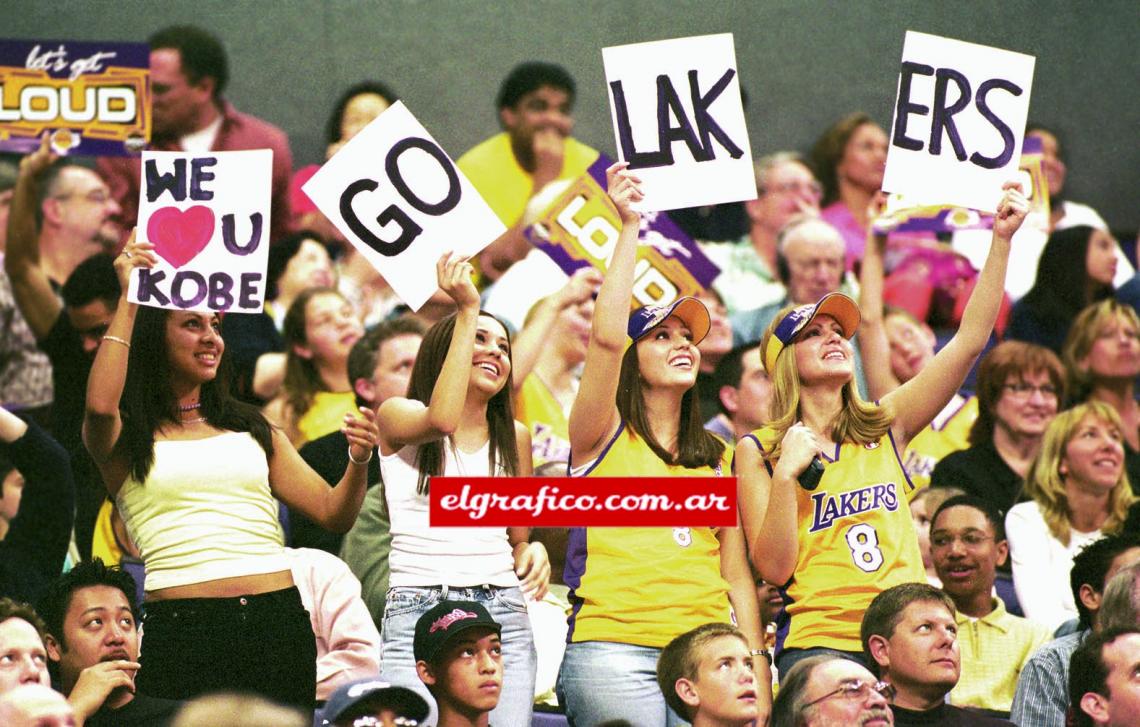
(823, 494)
(634, 589)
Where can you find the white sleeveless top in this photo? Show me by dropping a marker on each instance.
(425, 556)
(204, 512)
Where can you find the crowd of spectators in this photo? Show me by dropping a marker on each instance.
(210, 517)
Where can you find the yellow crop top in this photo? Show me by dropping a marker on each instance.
(205, 512)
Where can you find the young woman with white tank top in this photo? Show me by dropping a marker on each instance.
(458, 420)
(195, 475)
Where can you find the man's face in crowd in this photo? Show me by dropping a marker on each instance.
(815, 256)
(83, 208)
(97, 627)
(23, 659)
(470, 672)
(1122, 704)
(833, 708)
(90, 321)
(966, 556)
(754, 393)
(788, 189)
(544, 110)
(394, 367)
(725, 683)
(923, 650)
(177, 101)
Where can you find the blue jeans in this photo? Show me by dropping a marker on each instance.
(603, 680)
(506, 605)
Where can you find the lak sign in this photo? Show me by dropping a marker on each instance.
(679, 120)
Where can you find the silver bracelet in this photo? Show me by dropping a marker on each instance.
(357, 461)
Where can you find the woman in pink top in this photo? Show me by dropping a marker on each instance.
(849, 160)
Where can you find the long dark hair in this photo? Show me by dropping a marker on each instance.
(1061, 289)
(148, 401)
(696, 447)
(500, 409)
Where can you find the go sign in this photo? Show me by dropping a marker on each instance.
(402, 202)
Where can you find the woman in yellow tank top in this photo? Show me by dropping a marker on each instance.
(635, 589)
(319, 330)
(197, 475)
(833, 543)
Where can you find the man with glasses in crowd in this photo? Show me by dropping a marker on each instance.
(831, 691)
(967, 544)
(749, 273)
(911, 632)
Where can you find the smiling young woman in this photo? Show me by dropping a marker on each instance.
(458, 420)
(645, 422)
(197, 476)
(835, 544)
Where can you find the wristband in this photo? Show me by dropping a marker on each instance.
(761, 652)
(359, 461)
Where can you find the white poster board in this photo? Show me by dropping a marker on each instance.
(401, 201)
(959, 122)
(208, 217)
(679, 120)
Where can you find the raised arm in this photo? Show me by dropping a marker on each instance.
(30, 285)
(512, 245)
(101, 422)
(736, 571)
(41, 530)
(535, 334)
(406, 421)
(298, 486)
(873, 344)
(594, 415)
(919, 400)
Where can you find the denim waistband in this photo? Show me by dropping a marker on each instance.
(458, 593)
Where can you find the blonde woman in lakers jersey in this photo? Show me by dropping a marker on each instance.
(834, 543)
(634, 589)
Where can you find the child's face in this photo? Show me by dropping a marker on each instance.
(472, 671)
(725, 683)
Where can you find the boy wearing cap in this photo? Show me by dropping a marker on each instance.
(459, 656)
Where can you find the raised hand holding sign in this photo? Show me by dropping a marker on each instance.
(959, 122)
(401, 201)
(206, 216)
(679, 120)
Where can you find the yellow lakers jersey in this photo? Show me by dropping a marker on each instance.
(541, 412)
(856, 539)
(643, 586)
(948, 432)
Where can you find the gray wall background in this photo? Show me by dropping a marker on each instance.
(804, 64)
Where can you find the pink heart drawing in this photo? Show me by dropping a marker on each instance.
(178, 235)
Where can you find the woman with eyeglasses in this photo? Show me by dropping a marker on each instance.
(823, 492)
(1020, 388)
(1079, 492)
(1102, 361)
